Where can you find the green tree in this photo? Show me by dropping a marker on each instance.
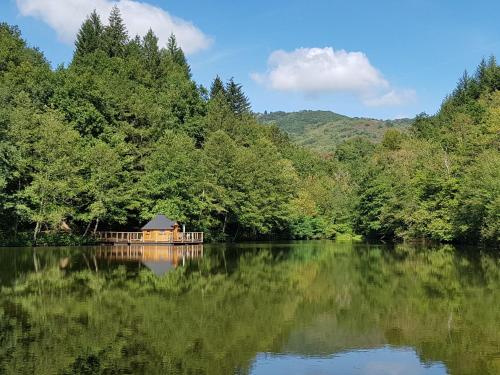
(55, 179)
(176, 55)
(151, 52)
(478, 215)
(268, 183)
(115, 36)
(172, 177)
(217, 88)
(89, 37)
(222, 180)
(106, 195)
(238, 101)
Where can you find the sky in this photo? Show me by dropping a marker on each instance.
(380, 59)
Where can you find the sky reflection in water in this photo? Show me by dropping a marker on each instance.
(382, 361)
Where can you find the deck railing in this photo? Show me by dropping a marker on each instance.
(137, 237)
(127, 237)
(190, 237)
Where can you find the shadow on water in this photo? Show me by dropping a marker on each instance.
(261, 308)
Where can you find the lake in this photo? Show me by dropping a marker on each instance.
(316, 307)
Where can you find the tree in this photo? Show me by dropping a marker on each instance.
(89, 37)
(392, 139)
(151, 52)
(219, 114)
(268, 183)
(106, 192)
(171, 183)
(238, 101)
(115, 35)
(478, 215)
(217, 88)
(55, 179)
(176, 55)
(248, 188)
(222, 180)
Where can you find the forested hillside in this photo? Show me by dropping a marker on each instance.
(123, 133)
(324, 130)
(442, 180)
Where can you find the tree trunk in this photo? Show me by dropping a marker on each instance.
(87, 229)
(224, 225)
(236, 234)
(446, 163)
(96, 224)
(37, 229)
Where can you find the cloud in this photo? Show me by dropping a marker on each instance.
(315, 71)
(66, 17)
(394, 97)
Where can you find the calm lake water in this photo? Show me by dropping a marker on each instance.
(297, 308)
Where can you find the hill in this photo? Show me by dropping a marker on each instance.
(323, 130)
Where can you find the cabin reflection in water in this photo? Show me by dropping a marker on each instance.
(158, 258)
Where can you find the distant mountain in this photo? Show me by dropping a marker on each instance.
(324, 130)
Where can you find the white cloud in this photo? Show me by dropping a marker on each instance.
(66, 17)
(325, 70)
(394, 97)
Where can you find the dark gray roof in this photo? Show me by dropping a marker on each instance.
(159, 222)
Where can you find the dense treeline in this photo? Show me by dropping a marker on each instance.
(442, 181)
(123, 133)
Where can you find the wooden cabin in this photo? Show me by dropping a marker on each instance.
(161, 229)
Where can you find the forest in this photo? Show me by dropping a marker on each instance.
(123, 132)
(323, 131)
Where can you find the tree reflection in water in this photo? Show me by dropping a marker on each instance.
(297, 304)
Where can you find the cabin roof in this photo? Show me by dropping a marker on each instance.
(159, 222)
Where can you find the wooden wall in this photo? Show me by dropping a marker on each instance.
(161, 235)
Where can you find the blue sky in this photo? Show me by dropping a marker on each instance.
(382, 59)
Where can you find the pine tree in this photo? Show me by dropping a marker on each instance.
(237, 100)
(133, 49)
(176, 54)
(217, 87)
(492, 75)
(151, 52)
(115, 34)
(89, 38)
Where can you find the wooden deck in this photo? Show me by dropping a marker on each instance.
(138, 238)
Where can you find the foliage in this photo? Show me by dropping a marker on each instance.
(324, 130)
(439, 181)
(124, 133)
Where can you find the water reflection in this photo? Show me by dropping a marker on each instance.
(158, 258)
(381, 361)
(292, 308)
